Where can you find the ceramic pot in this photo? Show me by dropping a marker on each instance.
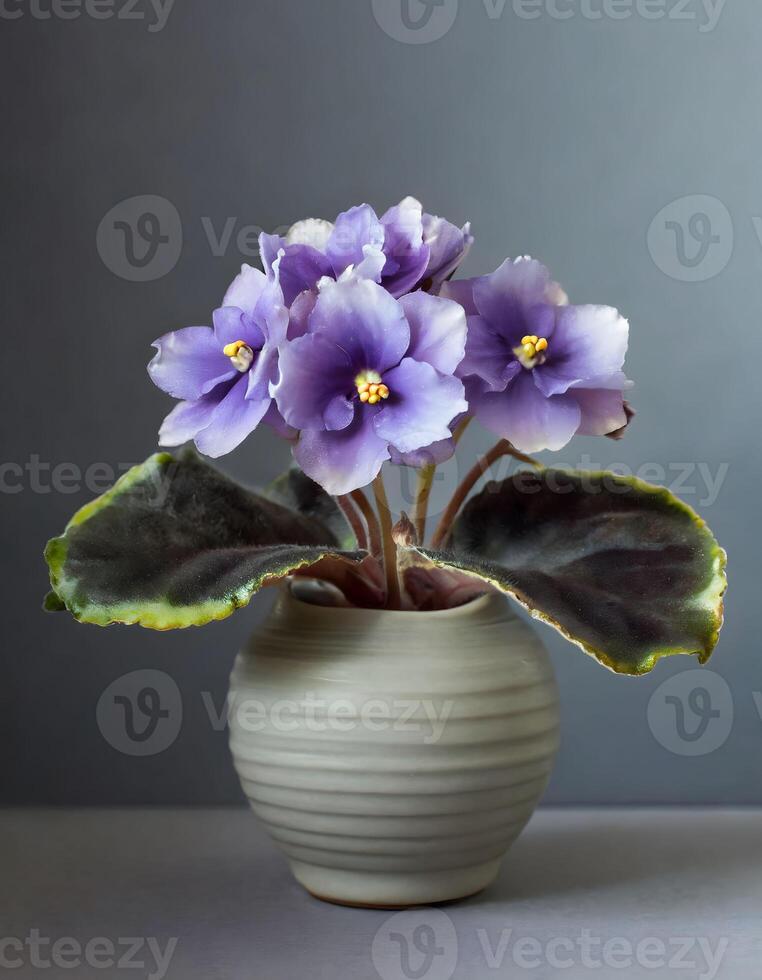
(393, 756)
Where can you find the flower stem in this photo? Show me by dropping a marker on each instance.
(477, 471)
(353, 518)
(460, 428)
(426, 483)
(390, 548)
(374, 529)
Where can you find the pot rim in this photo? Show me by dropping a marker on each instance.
(474, 607)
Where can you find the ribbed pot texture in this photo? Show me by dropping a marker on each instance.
(393, 756)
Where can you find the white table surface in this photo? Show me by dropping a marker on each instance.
(583, 893)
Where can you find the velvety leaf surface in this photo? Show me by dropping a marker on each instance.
(295, 490)
(622, 568)
(176, 543)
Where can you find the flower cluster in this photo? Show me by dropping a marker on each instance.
(356, 344)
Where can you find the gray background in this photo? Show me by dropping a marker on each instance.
(559, 138)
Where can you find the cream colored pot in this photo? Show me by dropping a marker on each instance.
(393, 756)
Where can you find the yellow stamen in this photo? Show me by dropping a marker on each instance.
(532, 350)
(240, 354)
(370, 388)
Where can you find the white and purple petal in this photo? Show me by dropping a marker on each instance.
(315, 232)
(301, 267)
(448, 246)
(269, 246)
(262, 373)
(186, 420)
(353, 230)
(420, 407)
(232, 419)
(488, 356)
(245, 290)
(275, 420)
(300, 312)
(437, 330)
(364, 320)
(189, 363)
(524, 416)
(315, 378)
(232, 324)
(462, 291)
(345, 460)
(603, 411)
(588, 342)
(433, 455)
(407, 256)
(506, 296)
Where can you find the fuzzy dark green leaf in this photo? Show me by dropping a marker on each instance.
(297, 491)
(622, 568)
(176, 543)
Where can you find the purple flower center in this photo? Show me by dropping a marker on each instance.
(370, 387)
(532, 351)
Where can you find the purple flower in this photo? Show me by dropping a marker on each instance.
(371, 376)
(448, 246)
(538, 372)
(401, 250)
(223, 373)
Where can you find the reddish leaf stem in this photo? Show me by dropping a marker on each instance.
(477, 471)
(355, 521)
(389, 547)
(371, 521)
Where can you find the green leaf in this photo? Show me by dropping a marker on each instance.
(294, 489)
(620, 567)
(176, 543)
(52, 603)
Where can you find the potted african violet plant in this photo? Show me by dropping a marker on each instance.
(393, 722)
